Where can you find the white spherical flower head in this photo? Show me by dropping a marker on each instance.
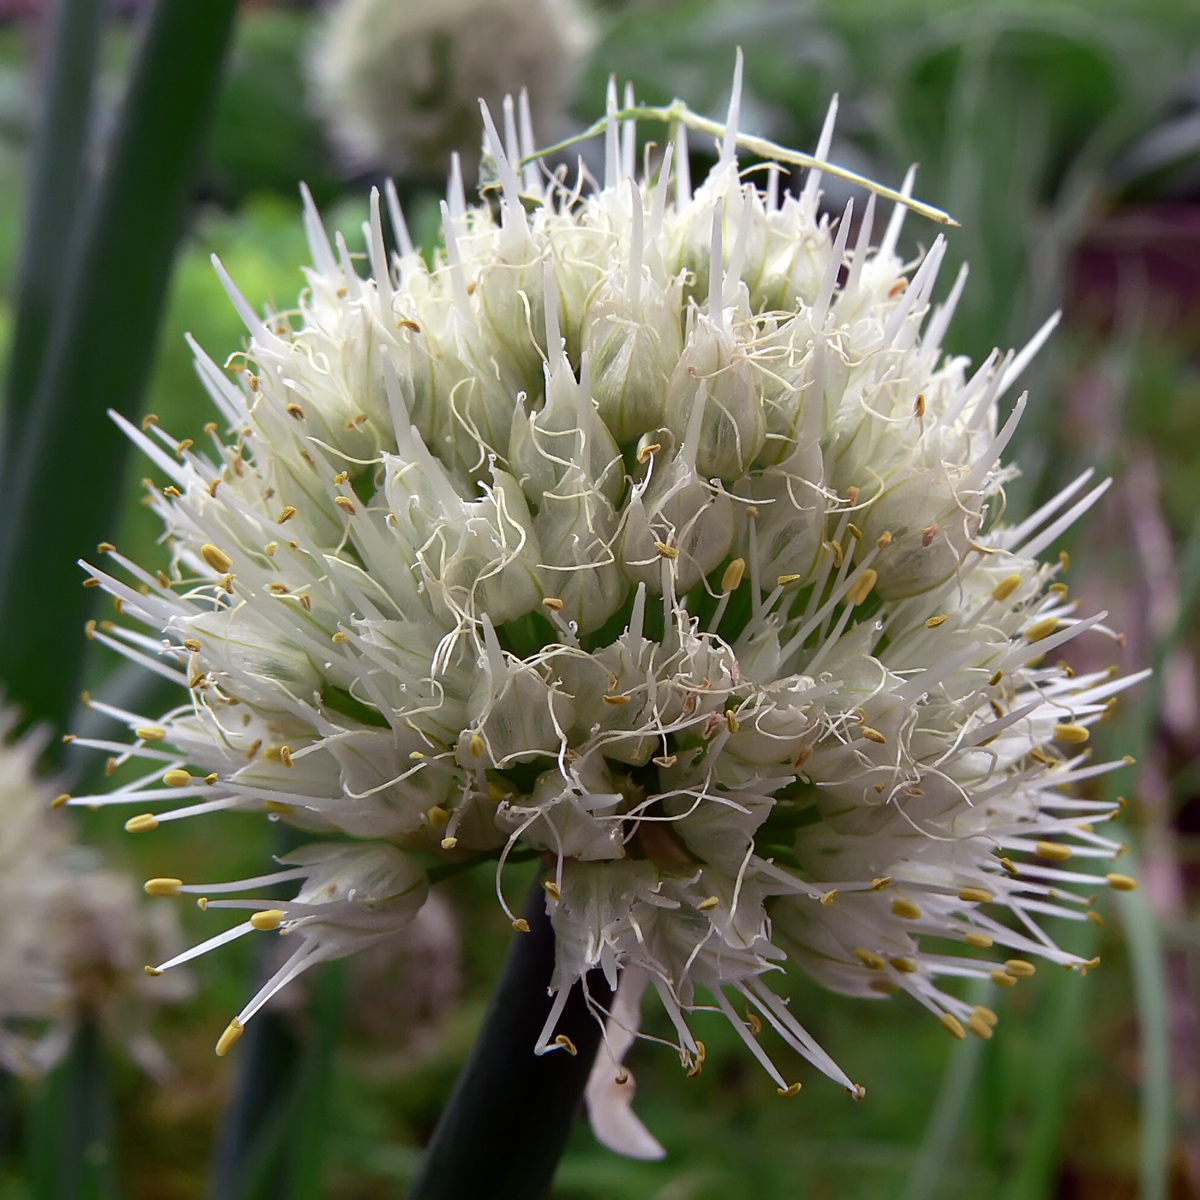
(650, 532)
(397, 81)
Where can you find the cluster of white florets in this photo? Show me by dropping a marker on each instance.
(74, 934)
(651, 531)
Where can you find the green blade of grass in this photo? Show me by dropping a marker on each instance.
(59, 483)
(57, 179)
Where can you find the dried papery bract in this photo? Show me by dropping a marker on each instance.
(650, 530)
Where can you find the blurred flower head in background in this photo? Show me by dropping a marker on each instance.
(74, 935)
(648, 530)
(398, 82)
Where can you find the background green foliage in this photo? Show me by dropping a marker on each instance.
(1026, 118)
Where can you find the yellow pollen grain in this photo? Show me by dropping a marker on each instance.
(162, 887)
(267, 919)
(979, 1027)
(951, 1024)
(217, 559)
(1055, 851)
(1121, 883)
(59, 801)
(345, 504)
(1006, 587)
(731, 580)
(521, 925)
(905, 965)
(177, 777)
(286, 515)
(873, 735)
(1003, 979)
(1041, 629)
(438, 817)
(934, 622)
(665, 550)
(142, 823)
(150, 733)
(708, 904)
(792, 1089)
(980, 941)
(870, 960)
(1071, 735)
(906, 909)
(553, 603)
(863, 588)
(974, 895)
(1020, 968)
(566, 1043)
(226, 1041)
(476, 745)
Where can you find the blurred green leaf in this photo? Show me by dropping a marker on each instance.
(59, 481)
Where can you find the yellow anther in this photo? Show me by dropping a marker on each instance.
(884, 539)
(1041, 629)
(731, 721)
(268, 919)
(1065, 559)
(904, 964)
(708, 904)
(1059, 589)
(647, 452)
(1002, 978)
(883, 881)
(340, 638)
(873, 735)
(90, 628)
(1006, 587)
(521, 925)
(225, 1042)
(59, 801)
(448, 843)
(616, 700)
(553, 603)
(979, 1027)
(162, 887)
(270, 548)
(785, 580)
(854, 531)
(1055, 851)
(753, 1024)
(791, 1090)
(974, 895)
(1020, 968)
(951, 1024)
(153, 972)
(1095, 918)
(870, 959)
(863, 588)
(476, 746)
(438, 817)
(906, 909)
(732, 577)
(345, 504)
(202, 903)
(1071, 735)
(665, 550)
(142, 823)
(211, 778)
(285, 755)
(995, 679)
(919, 405)
(287, 514)
(191, 644)
(834, 549)
(148, 420)
(986, 1015)
(150, 733)
(1010, 867)
(217, 559)
(279, 806)
(552, 889)
(980, 941)
(566, 1043)
(1121, 883)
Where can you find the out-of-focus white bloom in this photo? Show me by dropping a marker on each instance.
(398, 81)
(652, 531)
(74, 934)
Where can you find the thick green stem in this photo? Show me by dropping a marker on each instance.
(510, 1114)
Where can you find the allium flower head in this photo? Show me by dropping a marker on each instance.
(648, 529)
(74, 934)
(398, 81)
